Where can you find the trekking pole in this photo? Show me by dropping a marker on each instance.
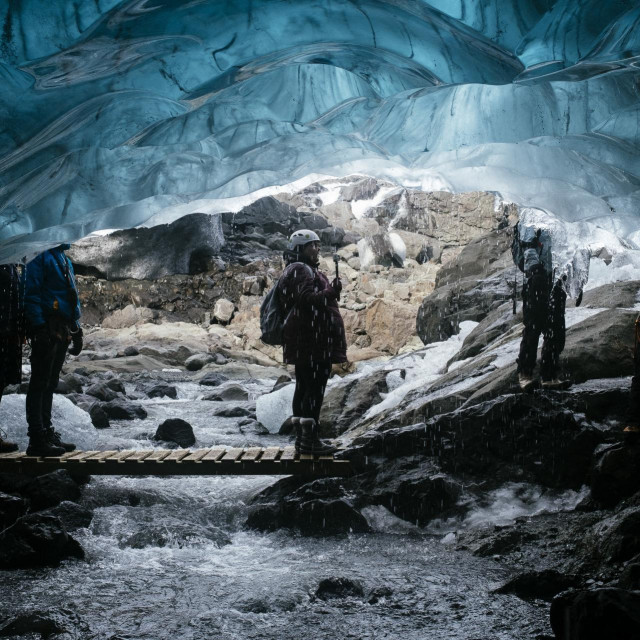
(515, 291)
(336, 259)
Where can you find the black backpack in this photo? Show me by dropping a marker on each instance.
(272, 317)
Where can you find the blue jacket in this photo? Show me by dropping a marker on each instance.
(47, 292)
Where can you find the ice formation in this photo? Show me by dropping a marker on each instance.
(116, 112)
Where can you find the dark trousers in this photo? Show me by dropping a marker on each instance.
(46, 364)
(311, 381)
(543, 313)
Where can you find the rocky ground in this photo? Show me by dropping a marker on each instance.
(438, 451)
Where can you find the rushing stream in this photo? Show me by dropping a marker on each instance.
(169, 558)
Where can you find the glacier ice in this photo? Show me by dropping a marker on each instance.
(114, 113)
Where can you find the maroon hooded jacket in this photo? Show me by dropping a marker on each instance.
(313, 329)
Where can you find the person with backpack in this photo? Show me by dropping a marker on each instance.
(52, 310)
(313, 336)
(543, 306)
(11, 337)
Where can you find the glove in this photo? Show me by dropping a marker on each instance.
(337, 285)
(579, 299)
(76, 342)
(40, 337)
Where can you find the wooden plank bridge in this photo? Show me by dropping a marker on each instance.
(181, 462)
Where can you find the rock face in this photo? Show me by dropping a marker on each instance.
(592, 615)
(187, 245)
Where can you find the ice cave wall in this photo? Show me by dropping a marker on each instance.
(113, 113)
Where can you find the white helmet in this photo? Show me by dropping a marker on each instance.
(302, 237)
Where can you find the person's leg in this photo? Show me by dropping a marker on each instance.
(633, 408)
(554, 335)
(321, 373)
(6, 446)
(534, 309)
(300, 390)
(38, 405)
(315, 381)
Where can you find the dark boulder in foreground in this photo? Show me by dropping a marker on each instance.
(339, 588)
(11, 508)
(45, 624)
(597, 614)
(321, 507)
(37, 540)
(212, 379)
(176, 430)
(44, 491)
(72, 515)
(161, 390)
(543, 585)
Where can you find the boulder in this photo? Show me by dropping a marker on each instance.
(99, 417)
(615, 475)
(197, 361)
(102, 391)
(11, 508)
(541, 585)
(332, 588)
(121, 409)
(212, 379)
(176, 430)
(37, 540)
(49, 623)
(129, 317)
(161, 390)
(50, 489)
(223, 310)
(596, 614)
(234, 412)
(72, 515)
(229, 393)
(184, 246)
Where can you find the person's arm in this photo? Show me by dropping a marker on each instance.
(34, 276)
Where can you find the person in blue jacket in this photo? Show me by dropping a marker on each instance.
(11, 336)
(52, 311)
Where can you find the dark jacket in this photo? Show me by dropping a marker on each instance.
(50, 288)
(313, 329)
(10, 302)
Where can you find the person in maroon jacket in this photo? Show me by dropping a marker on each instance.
(313, 335)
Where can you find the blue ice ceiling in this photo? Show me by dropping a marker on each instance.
(115, 113)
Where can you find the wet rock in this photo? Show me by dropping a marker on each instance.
(615, 539)
(73, 381)
(282, 381)
(223, 310)
(102, 392)
(234, 412)
(287, 427)
(175, 535)
(416, 493)
(597, 614)
(11, 508)
(161, 390)
(176, 430)
(630, 577)
(197, 361)
(50, 489)
(212, 379)
(130, 351)
(318, 508)
(379, 593)
(37, 540)
(252, 426)
(116, 385)
(344, 405)
(99, 417)
(72, 515)
(500, 542)
(228, 393)
(121, 409)
(542, 585)
(613, 295)
(615, 475)
(331, 588)
(45, 624)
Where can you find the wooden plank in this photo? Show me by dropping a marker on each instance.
(288, 454)
(176, 456)
(270, 454)
(251, 454)
(158, 455)
(214, 454)
(138, 456)
(72, 455)
(82, 456)
(196, 456)
(99, 457)
(232, 455)
(120, 456)
(306, 457)
(14, 455)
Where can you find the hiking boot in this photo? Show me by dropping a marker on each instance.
(309, 443)
(526, 381)
(54, 438)
(41, 447)
(295, 421)
(7, 447)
